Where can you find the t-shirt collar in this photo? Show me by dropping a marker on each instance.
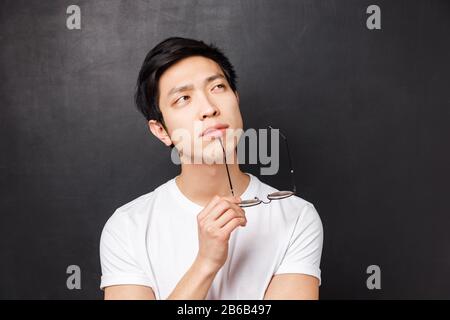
(185, 202)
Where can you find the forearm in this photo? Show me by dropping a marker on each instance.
(195, 283)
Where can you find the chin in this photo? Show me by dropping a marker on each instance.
(214, 153)
(211, 152)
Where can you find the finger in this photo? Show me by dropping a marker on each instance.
(206, 211)
(223, 206)
(227, 216)
(232, 199)
(231, 225)
(208, 207)
(235, 207)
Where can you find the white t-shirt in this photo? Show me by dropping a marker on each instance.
(153, 241)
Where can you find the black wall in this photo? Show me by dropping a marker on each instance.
(366, 112)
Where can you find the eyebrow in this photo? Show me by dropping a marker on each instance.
(190, 86)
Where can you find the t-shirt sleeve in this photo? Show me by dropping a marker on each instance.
(117, 257)
(305, 246)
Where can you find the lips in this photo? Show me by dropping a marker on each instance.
(214, 129)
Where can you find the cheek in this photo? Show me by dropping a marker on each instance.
(230, 103)
(179, 118)
(182, 126)
(236, 112)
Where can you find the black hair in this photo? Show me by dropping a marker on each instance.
(164, 55)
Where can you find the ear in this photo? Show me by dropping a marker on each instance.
(237, 96)
(158, 130)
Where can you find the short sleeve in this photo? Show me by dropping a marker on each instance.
(117, 257)
(305, 246)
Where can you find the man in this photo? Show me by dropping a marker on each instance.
(189, 238)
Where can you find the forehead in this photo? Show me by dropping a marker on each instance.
(190, 70)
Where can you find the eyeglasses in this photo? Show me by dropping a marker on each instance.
(278, 195)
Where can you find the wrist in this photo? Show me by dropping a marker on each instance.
(206, 267)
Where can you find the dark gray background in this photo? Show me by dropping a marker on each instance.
(366, 113)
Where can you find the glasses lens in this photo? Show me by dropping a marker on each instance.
(249, 203)
(280, 195)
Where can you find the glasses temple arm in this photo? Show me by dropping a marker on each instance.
(226, 166)
(294, 188)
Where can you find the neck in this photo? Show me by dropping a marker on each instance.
(201, 182)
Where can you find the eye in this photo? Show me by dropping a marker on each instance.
(179, 99)
(220, 85)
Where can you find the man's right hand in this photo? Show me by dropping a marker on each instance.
(215, 223)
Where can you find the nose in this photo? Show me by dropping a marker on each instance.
(210, 114)
(209, 109)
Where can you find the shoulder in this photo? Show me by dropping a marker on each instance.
(305, 209)
(134, 212)
(295, 207)
(129, 211)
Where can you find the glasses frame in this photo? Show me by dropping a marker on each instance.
(278, 195)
